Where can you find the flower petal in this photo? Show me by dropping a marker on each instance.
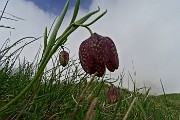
(110, 54)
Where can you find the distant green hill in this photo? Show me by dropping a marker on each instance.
(171, 100)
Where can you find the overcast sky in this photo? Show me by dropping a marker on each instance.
(146, 32)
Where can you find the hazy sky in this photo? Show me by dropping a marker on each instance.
(146, 32)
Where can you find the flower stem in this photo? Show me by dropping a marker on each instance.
(90, 31)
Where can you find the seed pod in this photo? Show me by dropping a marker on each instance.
(63, 58)
(96, 53)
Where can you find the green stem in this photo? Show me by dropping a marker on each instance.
(90, 31)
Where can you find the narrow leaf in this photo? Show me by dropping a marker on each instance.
(76, 9)
(54, 32)
(45, 38)
(141, 108)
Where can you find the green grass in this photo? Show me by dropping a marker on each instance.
(57, 93)
(171, 101)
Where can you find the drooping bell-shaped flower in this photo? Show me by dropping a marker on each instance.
(112, 95)
(96, 53)
(63, 58)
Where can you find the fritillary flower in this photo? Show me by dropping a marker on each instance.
(112, 95)
(98, 53)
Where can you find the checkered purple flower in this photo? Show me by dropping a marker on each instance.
(112, 95)
(98, 53)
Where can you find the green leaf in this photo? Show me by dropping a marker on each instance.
(45, 38)
(141, 108)
(76, 9)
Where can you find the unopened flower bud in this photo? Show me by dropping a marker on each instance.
(64, 58)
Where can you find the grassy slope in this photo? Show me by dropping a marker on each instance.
(56, 94)
(54, 99)
(171, 100)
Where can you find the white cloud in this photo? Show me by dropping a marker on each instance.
(147, 32)
(143, 31)
(35, 22)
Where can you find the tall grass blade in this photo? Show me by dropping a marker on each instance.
(130, 107)
(141, 108)
(4, 9)
(45, 39)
